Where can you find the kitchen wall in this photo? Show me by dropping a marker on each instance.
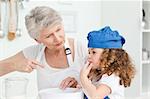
(125, 17)
(85, 14)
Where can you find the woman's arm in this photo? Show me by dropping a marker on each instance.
(5, 68)
(91, 90)
(17, 63)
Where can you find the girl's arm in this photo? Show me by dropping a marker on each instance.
(91, 90)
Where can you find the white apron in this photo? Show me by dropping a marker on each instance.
(48, 77)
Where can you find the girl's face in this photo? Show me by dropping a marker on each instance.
(53, 37)
(94, 56)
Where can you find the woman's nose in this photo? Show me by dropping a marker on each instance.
(56, 37)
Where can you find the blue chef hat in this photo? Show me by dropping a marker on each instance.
(105, 38)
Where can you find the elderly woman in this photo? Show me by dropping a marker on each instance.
(56, 58)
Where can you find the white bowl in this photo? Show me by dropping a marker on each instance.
(56, 93)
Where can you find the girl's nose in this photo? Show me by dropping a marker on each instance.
(89, 56)
(89, 59)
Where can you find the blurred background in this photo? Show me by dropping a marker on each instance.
(130, 17)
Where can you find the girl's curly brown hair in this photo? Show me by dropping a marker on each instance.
(114, 61)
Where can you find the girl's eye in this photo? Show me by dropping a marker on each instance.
(93, 52)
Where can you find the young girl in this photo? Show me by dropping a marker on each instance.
(109, 69)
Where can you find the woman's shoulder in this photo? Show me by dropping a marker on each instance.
(34, 47)
(71, 41)
(75, 43)
(81, 43)
(76, 40)
(32, 51)
(80, 49)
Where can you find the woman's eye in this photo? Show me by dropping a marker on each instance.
(58, 30)
(48, 36)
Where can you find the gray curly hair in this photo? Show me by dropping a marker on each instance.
(39, 18)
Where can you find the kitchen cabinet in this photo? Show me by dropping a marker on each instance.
(145, 49)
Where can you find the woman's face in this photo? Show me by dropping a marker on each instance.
(94, 56)
(53, 37)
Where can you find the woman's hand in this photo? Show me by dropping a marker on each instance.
(26, 65)
(68, 82)
(19, 63)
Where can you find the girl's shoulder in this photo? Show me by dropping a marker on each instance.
(110, 80)
(112, 76)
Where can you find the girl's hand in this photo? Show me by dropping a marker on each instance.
(85, 71)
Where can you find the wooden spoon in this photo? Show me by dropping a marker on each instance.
(12, 20)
